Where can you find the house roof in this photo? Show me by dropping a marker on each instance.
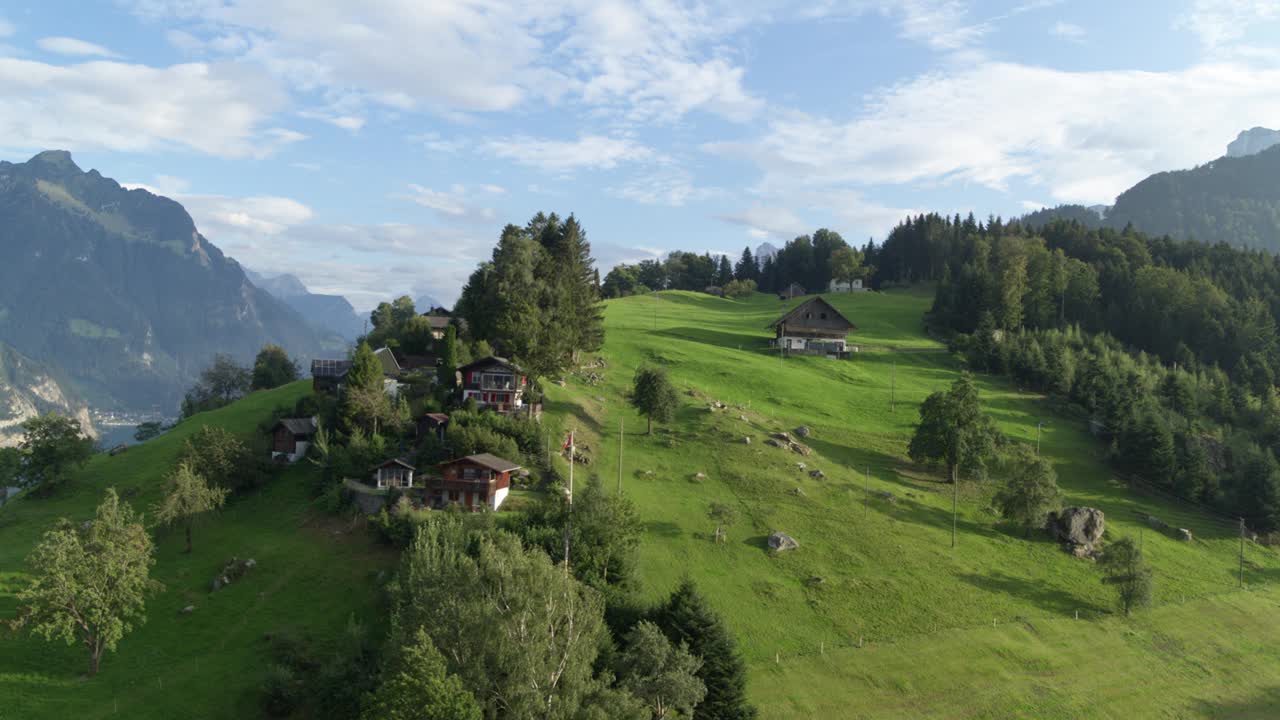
(438, 322)
(492, 360)
(297, 426)
(809, 305)
(416, 362)
(438, 417)
(493, 462)
(394, 461)
(390, 366)
(329, 368)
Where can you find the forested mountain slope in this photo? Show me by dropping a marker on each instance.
(119, 291)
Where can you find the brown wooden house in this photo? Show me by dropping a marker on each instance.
(475, 482)
(291, 437)
(433, 424)
(494, 383)
(814, 327)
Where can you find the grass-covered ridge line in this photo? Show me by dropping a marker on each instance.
(887, 571)
(313, 573)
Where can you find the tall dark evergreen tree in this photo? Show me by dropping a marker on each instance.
(687, 617)
(724, 271)
(746, 269)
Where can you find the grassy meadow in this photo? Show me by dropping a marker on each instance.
(313, 573)
(876, 615)
(879, 572)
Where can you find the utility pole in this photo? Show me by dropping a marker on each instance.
(1241, 552)
(893, 383)
(655, 309)
(620, 436)
(955, 502)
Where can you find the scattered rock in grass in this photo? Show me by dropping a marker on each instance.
(802, 449)
(796, 491)
(187, 610)
(800, 466)
(775, 442)
(743, 418)
(1184, 535)
(1084, 552)
(699, 477)
(803, 431)
(782, 542)
(782, 436)
(746, 440)
(886, 496)
(561, 382)
(1078, 527)
(232, 571)
(816, 580)
(817, 475)
(691, 393)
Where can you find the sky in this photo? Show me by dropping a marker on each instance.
(377, 148)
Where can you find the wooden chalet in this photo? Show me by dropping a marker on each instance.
(291, 437)
(814, 327)
(394, 473)
(475, 482)
(433, 424)
(495, 384)
(438, 325)
(327, 375)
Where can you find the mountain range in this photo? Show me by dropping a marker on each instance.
(327, 313)
(119, 294)
(1234, 199)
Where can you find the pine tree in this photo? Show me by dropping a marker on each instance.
(747, 269)
(653, 395)
(724, 272)
(419, 686)
(687, 618)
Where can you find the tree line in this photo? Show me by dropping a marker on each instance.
(812, 261)
(1169, 346)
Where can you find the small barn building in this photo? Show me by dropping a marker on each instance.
(292, 437)
(814, 327)
(839, 286)
(433, 424)
(394, 473)
(475, 482)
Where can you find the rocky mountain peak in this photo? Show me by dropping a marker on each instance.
(1253, 141)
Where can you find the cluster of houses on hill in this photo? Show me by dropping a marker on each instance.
(474, 482)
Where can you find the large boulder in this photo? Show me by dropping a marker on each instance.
(782, 542)
(803, 431)
(1078, 526)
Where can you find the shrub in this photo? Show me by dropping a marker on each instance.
(281, 691)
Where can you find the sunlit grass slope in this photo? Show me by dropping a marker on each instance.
(871, 570)
(312, 574)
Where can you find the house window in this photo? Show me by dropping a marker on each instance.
(453, 496)
(822, 315)
(808, 316)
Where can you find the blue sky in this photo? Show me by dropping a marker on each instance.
(377, 148)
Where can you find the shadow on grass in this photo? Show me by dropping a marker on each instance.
(1046, 598)
(760, 542)
(663, 528)
(1265, 704)
(718, 338)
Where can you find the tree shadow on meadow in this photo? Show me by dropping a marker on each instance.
(1265, 704)
(1045, 597)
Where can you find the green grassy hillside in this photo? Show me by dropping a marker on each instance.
(312, 574)
(878, 572)
(874, 616)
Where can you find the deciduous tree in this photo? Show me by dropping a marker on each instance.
(189, 496)
(273, 368)
(653, 395)
(52, 446)
(661, 673)
(1125, 569)
(91, 581)
(1030, 492)
(417, 685)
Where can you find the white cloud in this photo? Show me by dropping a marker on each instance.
(6, 28)
(217, 109)
(768, 222)
(587, 152)
(1221, 22)
(671, 186)
(1067, 31)
(1103, 131)
(346, 122)
(655, 60)
(73, 46)
(454, 202)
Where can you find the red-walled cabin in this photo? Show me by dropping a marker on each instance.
(475, 482)
(495, 383)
